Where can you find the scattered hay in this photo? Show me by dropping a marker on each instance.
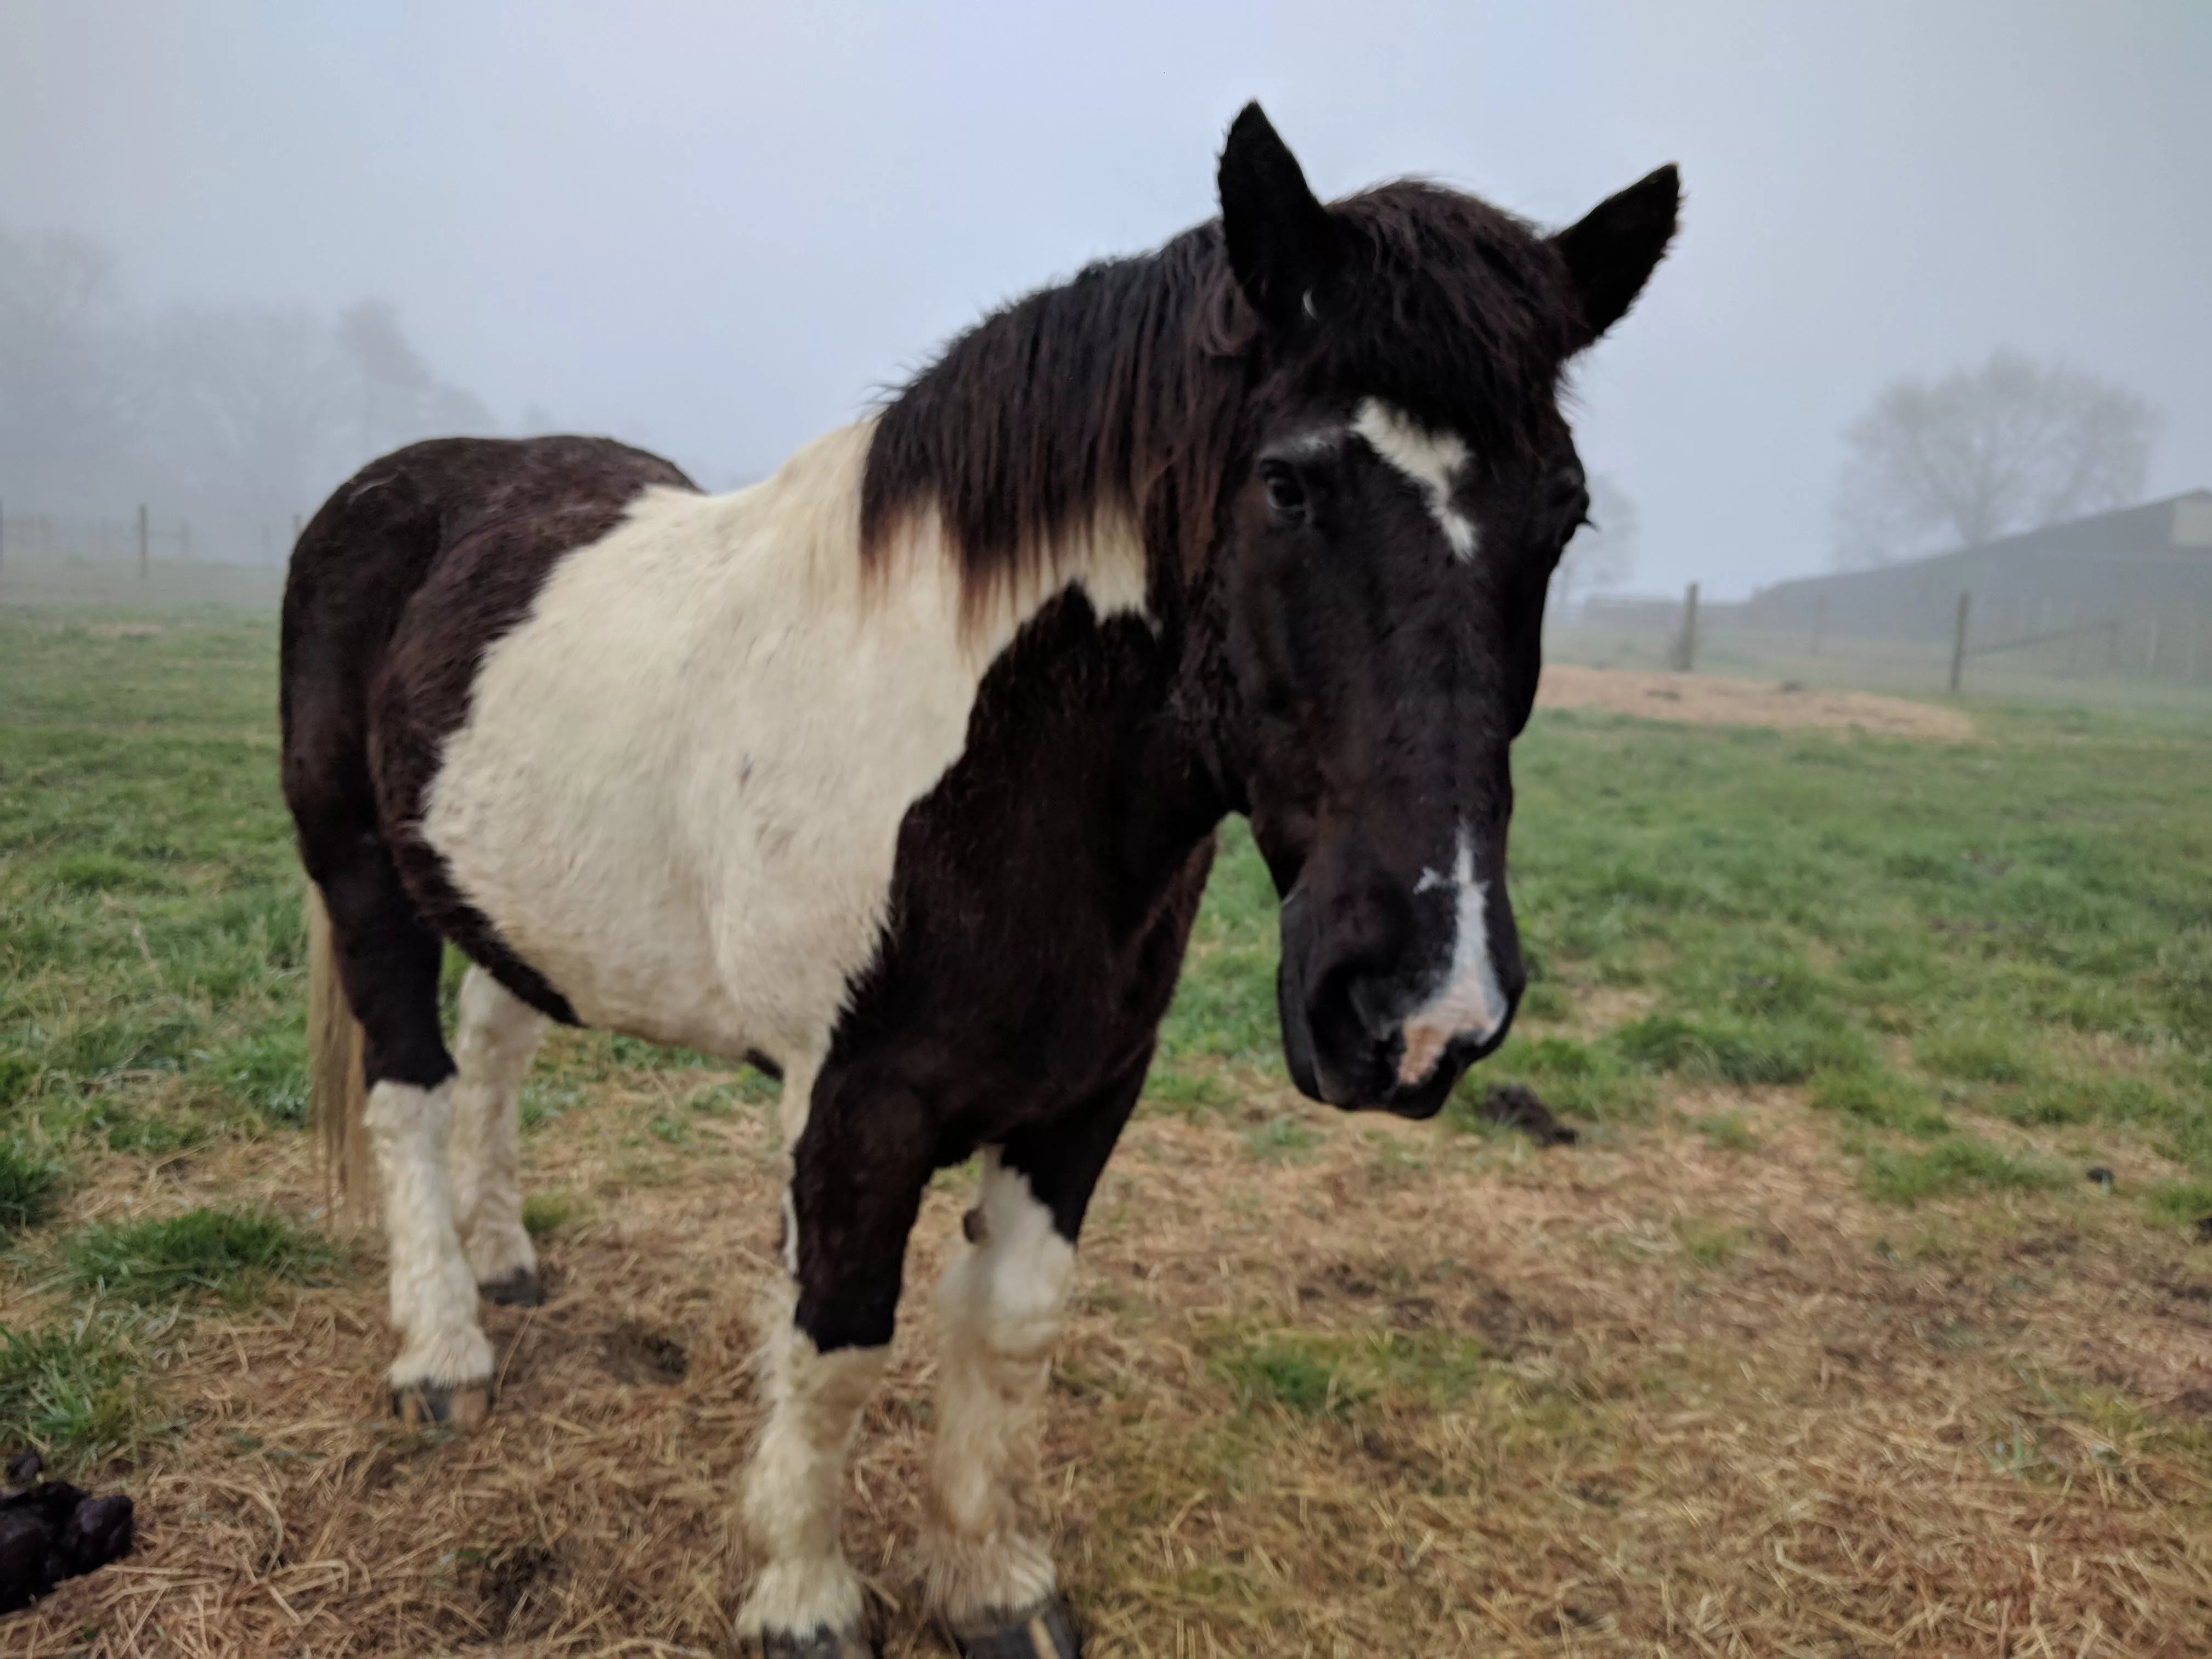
(1706, 699)
(1411, 1390)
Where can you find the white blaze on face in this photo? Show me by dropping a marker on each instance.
(1469, 1002)
(1432, 460)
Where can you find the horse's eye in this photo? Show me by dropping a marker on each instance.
(1286, 497)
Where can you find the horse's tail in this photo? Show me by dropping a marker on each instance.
(336, 1088)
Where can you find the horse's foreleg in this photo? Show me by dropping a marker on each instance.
(851, 1202)
(999, 1311)
(497, 1039)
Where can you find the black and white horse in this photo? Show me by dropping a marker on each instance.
(899, 772)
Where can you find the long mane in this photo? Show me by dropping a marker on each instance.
(1121, 395)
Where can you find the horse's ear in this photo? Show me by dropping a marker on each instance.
(1611, 253)
(1282, 243)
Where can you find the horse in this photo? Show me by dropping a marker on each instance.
(898, 775)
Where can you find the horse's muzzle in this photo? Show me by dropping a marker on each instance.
(1360, 1024)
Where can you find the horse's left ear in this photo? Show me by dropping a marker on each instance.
(1282, 243)
(1611, 250)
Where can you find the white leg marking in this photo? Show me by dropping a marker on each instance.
(1469, 1001)
(998, 1312)
(795, 1485)
(498, 1036)
(1432, 459)
(434, 1294)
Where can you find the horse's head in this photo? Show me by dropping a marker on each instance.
(1406, 483)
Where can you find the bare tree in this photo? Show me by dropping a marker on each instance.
(234, 417)
(63, 383)
(1602, 555)
(1984, 452)
(248, 406)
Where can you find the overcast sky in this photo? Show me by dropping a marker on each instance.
(716, 229)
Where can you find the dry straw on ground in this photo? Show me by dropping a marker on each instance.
(1642, 1396)
(1707, 699)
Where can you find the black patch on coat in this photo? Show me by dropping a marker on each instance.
(410, 573)
(1042, 896)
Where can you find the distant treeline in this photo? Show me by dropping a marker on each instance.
(234, 419)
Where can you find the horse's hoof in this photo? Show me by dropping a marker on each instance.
(821, 1643)
(519, 1289)
(420, 1404)
(1043, 1631)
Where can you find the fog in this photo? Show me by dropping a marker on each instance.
(716, 229)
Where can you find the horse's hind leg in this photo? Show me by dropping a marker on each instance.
(498, 1035)
(389, 961)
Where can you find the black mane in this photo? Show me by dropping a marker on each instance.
(1124, 389)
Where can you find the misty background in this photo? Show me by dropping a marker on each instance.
(245, 247)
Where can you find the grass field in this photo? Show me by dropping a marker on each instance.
(1820, 1342)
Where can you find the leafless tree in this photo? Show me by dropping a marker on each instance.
(248, 404)
(1984, 452)
(64, 381)
(236, 417)
(1602, 555)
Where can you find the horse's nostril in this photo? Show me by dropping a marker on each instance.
(1375, 1003)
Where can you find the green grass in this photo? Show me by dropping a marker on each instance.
(223, 1252)
(548, 1213)
(27, 1188)
(71, 1393)
(1281, 1140)
(2182, 1202)
(1708, 1245)
(1293, 1374)
(1906, 1175)
(1913, 934)
(1728, 1131)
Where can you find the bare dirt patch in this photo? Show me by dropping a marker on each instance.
(1705, 699)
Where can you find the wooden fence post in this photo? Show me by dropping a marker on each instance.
(1959, 645)
(1685, 643)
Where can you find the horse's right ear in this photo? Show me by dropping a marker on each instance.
(1282, 243)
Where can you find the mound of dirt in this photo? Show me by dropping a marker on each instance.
(1704, 699)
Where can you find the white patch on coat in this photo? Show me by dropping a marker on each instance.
(1432, 460)
(1469, 1002)
(434, 1294)
(795, 1484)
(494, 1045)
(678, 791)
(998, 1312)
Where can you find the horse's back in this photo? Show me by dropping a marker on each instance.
(363, 557)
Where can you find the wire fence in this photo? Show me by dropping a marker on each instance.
(146, 533)
(2042, 651)
(144, 557)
